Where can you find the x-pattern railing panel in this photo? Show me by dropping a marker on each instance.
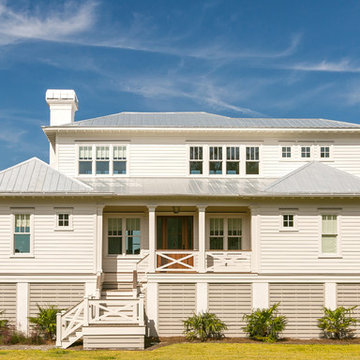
(174, 261)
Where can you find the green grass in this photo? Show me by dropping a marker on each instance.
(207, 351)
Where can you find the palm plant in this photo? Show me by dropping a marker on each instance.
(45, 321)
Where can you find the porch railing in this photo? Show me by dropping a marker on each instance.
(176, 260)
(228, 261)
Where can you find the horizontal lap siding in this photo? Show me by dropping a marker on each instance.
(348, 295)
(230, 302)
(8, 302)
(61, 295)
(113, 342)
(67, 159)
(302, 304)
(176, 302)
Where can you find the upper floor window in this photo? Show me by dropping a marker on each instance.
(305, 151)
(286, 152)
(102, 160)
(329, 234)
(196, 160)
(225, 233)
(324, 152)
(288, 221)
(119, 159)
(85, 160)
(232, 160)
(22, 234)
(215, 160)
(252, 160)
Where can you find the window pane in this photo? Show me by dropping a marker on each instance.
(115, 236)
(325, 151)
(114, 245)
(232, 168)
(63, 220)
(234, 227)
(286, 151)
(215, 167)
(102, 167)
(232, 153)
(85, 153)
(288, 220)
(329, 224)
(196, 167)
(119, 167)
(329, 244)
(85, 167)
(252, 168)
(216, 243)
(196, 153)
(22, 243)
(252, 153)
(133, 236)
(119, 152)
(216, 227)
(234, 243)
(305, 151)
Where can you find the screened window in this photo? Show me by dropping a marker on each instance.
(324, 152)
(22, 234)
(85, 160)
(102, 160)
(232, 160)
(119, 160)
(252, 160)
(196, 160)
(225, 233)
(216, 234)
(63, 220)
(286, 152)
(329, 234)
(133, 236)
(288, 221)
(215, 157)
(305, 151)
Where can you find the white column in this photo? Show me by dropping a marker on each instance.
(152, 308)
(99, 239)
(202, 254)
(152, 238)
(90, 288)
(330, 295)
(260, 295)
(22, 307)
(201, 297)
(255, 241)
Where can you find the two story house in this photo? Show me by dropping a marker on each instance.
(141, 219)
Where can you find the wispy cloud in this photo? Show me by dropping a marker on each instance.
(343, 66)
(56, 25)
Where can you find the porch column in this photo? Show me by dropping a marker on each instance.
(255, 240)
(330, 295)
(260, 295)
(22, 306)
(202, 254)
(99, 250)
(152, 238)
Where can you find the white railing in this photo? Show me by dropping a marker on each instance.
(228, 261)
(96, 311)
(176, 260)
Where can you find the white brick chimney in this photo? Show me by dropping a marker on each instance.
(62, 104)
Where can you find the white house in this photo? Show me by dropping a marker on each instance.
(175, 213)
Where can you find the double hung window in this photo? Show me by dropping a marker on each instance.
(252, 160)
(215, 160)
(102, 160)
(232, 160)
(196, 160)
(225, 233)
(22, 234)
(329, 234)
(85, 160)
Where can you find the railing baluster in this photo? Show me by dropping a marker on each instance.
(86, 311)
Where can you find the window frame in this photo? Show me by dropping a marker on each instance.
(22, 211)
(221, 161)
(246, 160)
(226, 161)
(204, 162)
(68, 211)
(123, 217)
(338, 253)
(284, 212)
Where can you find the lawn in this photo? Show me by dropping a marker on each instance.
(186, 351)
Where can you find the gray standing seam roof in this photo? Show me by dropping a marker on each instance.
(204, 120)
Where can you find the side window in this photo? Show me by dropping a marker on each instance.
(305, 151)
(288, 221)
(85, 160)
(329, 234)
(63, 219)
(232, 160)
(324, 152)
(102, 160)
(252, 160)
(119, 159)
(215, 160)
(22, 234)
(286, 152)
(196, 160)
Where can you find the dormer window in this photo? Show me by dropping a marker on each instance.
(215, 160)
(102, 160)
(119, 159)
(196, 160)
(85, 160)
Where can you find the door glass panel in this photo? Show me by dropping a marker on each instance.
(175, 232)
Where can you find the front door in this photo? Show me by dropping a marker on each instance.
(175, 232)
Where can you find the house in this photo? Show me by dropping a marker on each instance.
(141, 219)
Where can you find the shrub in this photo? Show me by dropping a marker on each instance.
(336, 324)
(45, 321)
(3, 322)
(204, 326)
(264, 324)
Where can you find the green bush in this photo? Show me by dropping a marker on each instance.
(204, 326)
(336, 324)
(3, 322)
(45, 321)
(264, 324)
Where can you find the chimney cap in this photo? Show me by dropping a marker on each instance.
(61, 96)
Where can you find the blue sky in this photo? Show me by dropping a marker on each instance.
(241, 58)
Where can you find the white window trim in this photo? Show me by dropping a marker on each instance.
(111, 153)
(292, 149)
(331, 150)
(245, 161)
(281, 222)
(338, 254)
(245, 234)
(205, 163)
(26, 211)
(123, 216)
(68, 211)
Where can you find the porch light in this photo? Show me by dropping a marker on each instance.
(176, 209)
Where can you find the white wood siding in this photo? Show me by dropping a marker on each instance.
(230, 302)
(67, 159)
(176, 302)
(8, 302)
(302, 304)
(54, 251)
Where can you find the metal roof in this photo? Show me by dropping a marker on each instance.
(178, 186)
(203, 120)
(316, 178)
(35, 176)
